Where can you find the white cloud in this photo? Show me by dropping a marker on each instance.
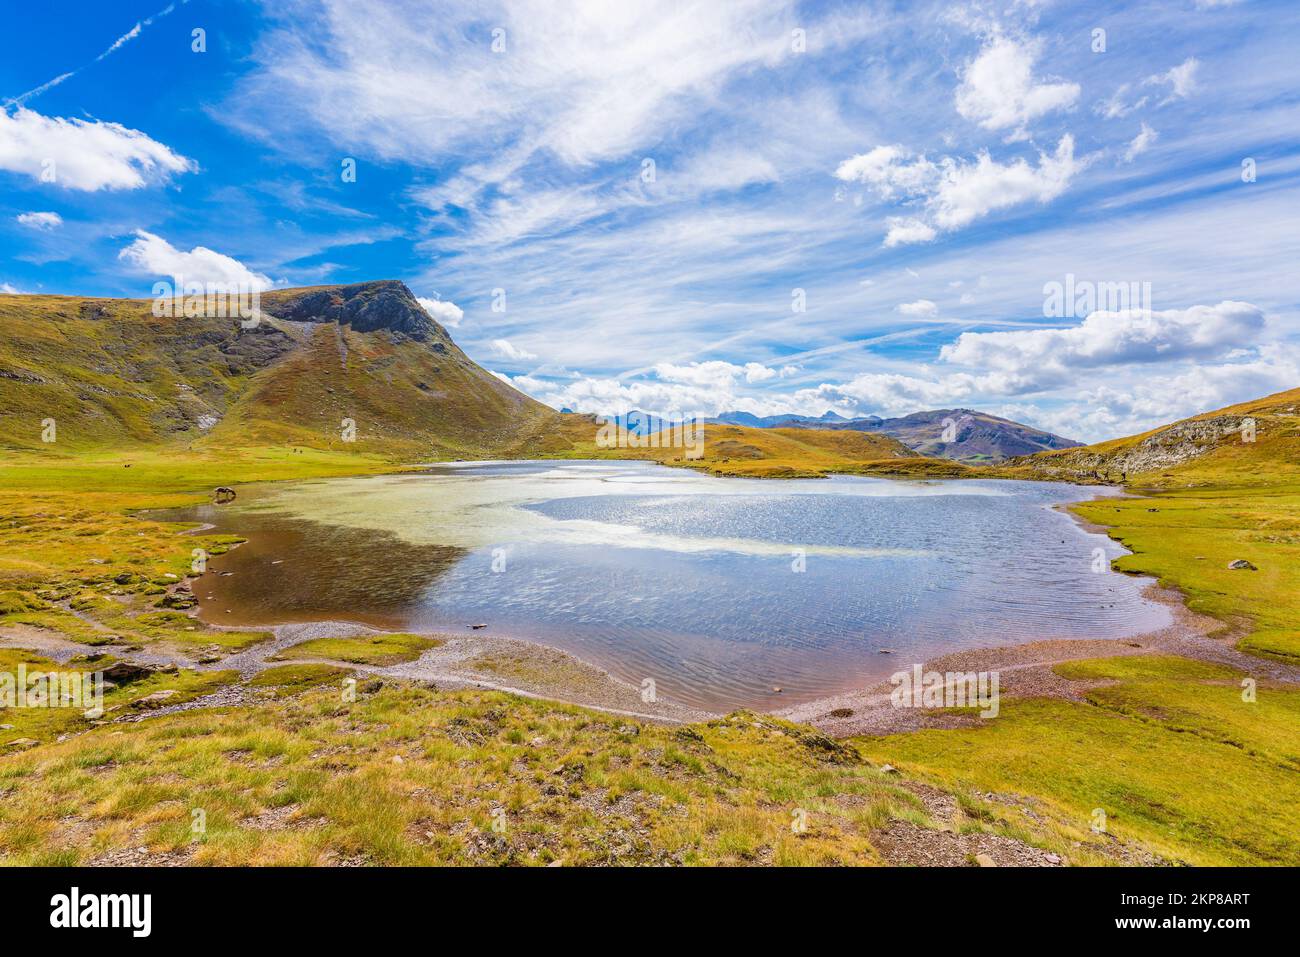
(721, 168)
(1117, 106)
(85, 155)
(1141, 143)
(156, 256)
(1112, 338)
(922, 308)
(973, 190)
(8, 289)
(902, 230)
(443, 310)
(42, 221)
(582, 82)
(1181, 79)
(1159, 399)
(891, 170)
(999, 91)
(957, 192)
(504, 349)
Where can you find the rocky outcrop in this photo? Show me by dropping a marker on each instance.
(1169, 447)
(367, 307)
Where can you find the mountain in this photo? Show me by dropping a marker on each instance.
(1256, 442)
(973, 437)
(775, 421)
(740, 450)
(111, 373)
(965, 435)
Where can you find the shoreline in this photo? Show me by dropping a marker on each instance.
(531, 668)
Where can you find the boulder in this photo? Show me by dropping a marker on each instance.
(123, 672)
(155, 700)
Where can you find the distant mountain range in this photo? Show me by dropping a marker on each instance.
(964, 435)
(787, 420)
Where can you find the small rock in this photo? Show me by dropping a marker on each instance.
(1053, 858)
(888, 769)
(6, 727)
(777, 689)
(155, 700)
(983, 860)
(223, 495)
(885, 651)
(123, 672)
(22, 744)
(1241, 564)
(398, 759)
(842, 713)
(476, 627)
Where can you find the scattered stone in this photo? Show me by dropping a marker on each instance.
(155, 700)
(1241, 564)
(124, 672)
(180, 600)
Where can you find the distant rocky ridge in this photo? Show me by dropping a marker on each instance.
(786, 420)
(964, 435)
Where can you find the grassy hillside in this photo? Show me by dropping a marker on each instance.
(1208, 449)
(748, 452)
(112, 375)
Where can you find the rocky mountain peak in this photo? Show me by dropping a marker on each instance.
(365, 306)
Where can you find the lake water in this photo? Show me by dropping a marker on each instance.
(718, 589)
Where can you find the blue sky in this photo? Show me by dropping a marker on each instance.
(692, 207)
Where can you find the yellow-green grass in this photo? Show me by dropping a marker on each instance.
(1271, 458)
(409, 775)
(107, 374)
(1187, 538)
(77, 560)
(744, 452)
(290, 679)
(1171, 754)
(380, 649)
(45, 724)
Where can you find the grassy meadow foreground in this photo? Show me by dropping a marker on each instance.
(317, 756)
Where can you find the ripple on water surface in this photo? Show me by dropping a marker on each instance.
(718, 589)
